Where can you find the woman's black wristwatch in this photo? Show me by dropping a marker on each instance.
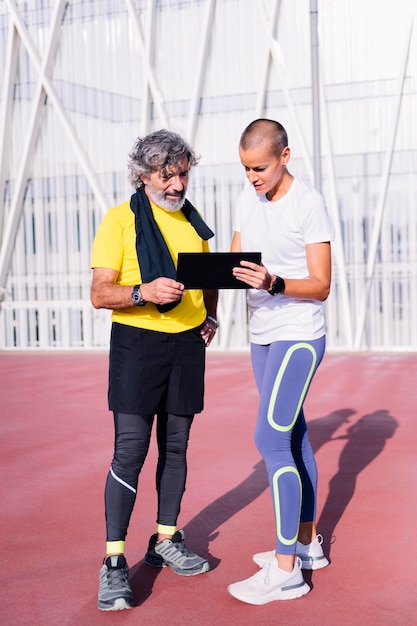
(278, 286)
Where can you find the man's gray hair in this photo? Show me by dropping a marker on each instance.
(157, 151)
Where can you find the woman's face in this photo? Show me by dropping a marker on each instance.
(264, 169)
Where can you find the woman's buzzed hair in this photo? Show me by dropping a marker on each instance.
(157, 151)
(263, 129)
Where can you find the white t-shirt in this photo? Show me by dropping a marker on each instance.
(281, 230)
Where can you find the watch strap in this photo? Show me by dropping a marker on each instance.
(278, 286)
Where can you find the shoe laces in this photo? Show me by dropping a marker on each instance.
(182, 548)
(262, 577)
(117, 577)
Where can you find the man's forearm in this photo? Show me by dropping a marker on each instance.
(111, 296)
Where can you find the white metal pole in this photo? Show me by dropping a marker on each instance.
(315, 93)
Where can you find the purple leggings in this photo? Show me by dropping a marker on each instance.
(283, 372)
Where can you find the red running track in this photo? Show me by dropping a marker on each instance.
(56, 439)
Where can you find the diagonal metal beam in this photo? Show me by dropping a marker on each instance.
(274, 53)
(229, 300)
(201, 66)
(149, 45)
(278, 58)
(147, 66)
(273, 21)
(44, 85)
(54, 98)
(380, 209)
(280, 66)
(333, 204)
(10, 72)
(16, 208)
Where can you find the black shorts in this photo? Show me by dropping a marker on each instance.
(152, 371)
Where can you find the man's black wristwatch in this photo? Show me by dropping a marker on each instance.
(278, 286)
(136, 296)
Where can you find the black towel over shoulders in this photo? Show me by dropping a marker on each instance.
(154, 257)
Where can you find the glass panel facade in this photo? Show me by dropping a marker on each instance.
(81, 80)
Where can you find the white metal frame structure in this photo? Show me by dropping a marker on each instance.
(80, 80)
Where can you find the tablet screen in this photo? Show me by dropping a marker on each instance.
(212, 270)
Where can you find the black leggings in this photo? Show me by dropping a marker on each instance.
(132, 438)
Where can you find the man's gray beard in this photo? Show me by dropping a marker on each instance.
(158, 197)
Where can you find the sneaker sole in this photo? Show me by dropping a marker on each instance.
(160, 563)
(201, 569)
(285, 593)
(118, 605)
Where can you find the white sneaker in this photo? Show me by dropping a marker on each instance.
(311, 555)
(271, 583)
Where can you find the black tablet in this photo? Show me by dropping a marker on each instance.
(212, 270)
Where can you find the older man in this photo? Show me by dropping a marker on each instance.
(157, 351)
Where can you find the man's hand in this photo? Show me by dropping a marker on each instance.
(107, 294)
(208, 330)
(162, 291)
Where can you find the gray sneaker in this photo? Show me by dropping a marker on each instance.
(114, 593)
(173, 553)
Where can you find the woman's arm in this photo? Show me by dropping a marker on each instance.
(236, 244)
(315, 287)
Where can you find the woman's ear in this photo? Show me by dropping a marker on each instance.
(285, 155)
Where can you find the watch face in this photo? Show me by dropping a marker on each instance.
(136, 297)
(278, 285)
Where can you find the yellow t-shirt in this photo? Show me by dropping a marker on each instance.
(114, 247)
